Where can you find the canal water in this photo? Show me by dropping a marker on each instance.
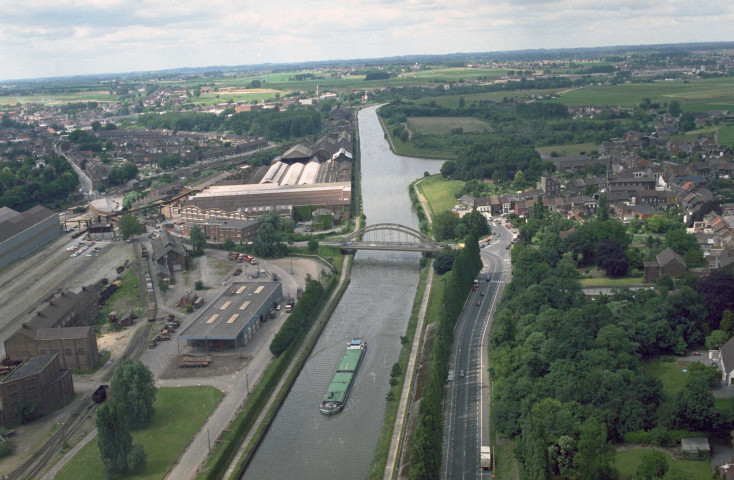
(302, 443)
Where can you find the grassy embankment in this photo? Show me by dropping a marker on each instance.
(379, 460)
(179, 413)
(440, 194)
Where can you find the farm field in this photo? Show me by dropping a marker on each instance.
(453, 100)
(627, 462)
(444, 125)
(697, 95)
(58, 99)
(179, 413)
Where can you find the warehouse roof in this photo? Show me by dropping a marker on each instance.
(31, 366)
(67, 333)
(11, 225)
(227, 316)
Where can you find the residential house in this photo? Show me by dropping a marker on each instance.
(667, 263)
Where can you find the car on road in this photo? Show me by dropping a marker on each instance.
(479, 302)
(483, 292)
(461, 373)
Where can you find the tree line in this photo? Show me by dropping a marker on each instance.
(425, 449)
(279, 125)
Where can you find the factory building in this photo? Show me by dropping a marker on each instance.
(39, 382)
(234, 317)
(302, 177)
(22, 233)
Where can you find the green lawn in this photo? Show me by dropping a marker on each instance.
(440, 193)
(180, 412)
(444, 125)
(628, 461)
(671, 374)
(610, 282)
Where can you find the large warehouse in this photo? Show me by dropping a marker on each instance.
(234, 317)
(23, 233)
(302, 177)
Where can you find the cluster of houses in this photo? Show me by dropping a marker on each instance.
(635, 188)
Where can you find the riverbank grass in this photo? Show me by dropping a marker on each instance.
(377, 468)
(440, 194)
(179, 414)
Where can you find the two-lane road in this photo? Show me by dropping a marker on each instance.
(466, 406)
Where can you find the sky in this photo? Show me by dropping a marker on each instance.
(46, 38)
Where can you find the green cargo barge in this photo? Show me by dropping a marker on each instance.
(340, 386)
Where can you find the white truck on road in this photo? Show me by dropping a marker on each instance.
(485, 457)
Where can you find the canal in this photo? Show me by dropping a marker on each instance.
(303, 443)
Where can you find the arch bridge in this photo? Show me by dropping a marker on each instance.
(389, 236)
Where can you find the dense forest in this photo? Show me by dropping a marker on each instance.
(28, 182)
(568, 372)
(277, 125)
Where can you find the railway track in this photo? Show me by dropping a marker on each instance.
(82, 266)
(81, 414)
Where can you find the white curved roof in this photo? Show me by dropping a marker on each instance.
(291, 176)
(275, 172)
(309, 174)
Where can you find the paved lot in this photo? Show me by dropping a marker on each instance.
(29, 281)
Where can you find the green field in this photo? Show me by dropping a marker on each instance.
(453, 100)
(628, 461)
(179, 413)
(726, 136)
(58, 99)
(444, 125)
(571, 149)
(440, 193)
(694, 95)
(671, 374)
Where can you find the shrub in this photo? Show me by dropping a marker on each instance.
(199, 285)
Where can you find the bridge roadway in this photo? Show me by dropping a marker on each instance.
(380, 245)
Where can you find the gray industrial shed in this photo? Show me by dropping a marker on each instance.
(234, 316)
(23, 233)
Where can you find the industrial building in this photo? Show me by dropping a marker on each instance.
(22, 233)
(319, 176)
(169, 254)
(60, 326)
(217, 231)
(39, 382)
(259, 199)
(234, 316)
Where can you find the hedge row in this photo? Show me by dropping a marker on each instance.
(299, 321)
